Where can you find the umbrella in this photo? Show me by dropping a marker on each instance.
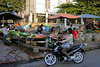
(9, 15)
(87, 16)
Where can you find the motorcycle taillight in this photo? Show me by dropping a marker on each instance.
(7, 37)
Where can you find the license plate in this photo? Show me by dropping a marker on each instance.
(7, 38)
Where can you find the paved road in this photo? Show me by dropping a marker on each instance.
(92, 59)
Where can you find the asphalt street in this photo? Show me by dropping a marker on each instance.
(92, 59)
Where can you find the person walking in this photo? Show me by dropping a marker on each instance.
(74, 33)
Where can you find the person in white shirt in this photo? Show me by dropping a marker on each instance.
(67, 44)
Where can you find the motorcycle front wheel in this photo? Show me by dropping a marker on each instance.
(50, 59)
(79, 57)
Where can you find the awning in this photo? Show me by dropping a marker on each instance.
(9, 15)
(62, 15)
(88, 16)
(98, 20)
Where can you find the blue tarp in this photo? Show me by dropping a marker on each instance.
(88, 16)
(47, 28)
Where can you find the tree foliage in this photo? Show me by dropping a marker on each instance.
(81, 7)
(16, 5)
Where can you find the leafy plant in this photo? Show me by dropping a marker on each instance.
(81, 7)
(16, 5)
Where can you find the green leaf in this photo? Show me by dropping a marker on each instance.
(15, 5)
(82, 6)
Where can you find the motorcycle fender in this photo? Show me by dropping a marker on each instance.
(82, 51)
(50, 52)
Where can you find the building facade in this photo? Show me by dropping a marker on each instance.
(41, 9)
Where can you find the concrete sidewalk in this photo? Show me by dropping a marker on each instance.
(92, 46)
(22, 56)
(15, 53)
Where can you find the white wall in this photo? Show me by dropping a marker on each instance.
(27, 7)
(62, 1)
(32, 5)
(71, 0)
(40, 6)
(53, 6)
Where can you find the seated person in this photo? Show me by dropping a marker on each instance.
(67, 44)
(39, 29)
(52, 35)
(60, 31)
(51, 29)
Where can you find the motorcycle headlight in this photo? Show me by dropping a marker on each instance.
(56, 49)
(85, 44)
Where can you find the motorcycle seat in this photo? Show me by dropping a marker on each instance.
(74, 47)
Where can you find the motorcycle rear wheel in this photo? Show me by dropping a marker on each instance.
(50, 59)
(79, 57)
(7, 44)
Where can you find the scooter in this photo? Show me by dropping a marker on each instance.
(55, 54)
(7, 40)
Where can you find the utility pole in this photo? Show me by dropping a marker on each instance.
(30, 12)
(65, 20)
(47, 13)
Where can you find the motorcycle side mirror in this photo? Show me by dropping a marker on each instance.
(85, 44)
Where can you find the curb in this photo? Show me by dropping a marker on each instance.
(31, 59)
(91, 48)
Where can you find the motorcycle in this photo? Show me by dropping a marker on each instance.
(55, 54)
(7, 40)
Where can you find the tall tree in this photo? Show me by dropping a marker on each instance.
(10, 5)
(81, 7)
